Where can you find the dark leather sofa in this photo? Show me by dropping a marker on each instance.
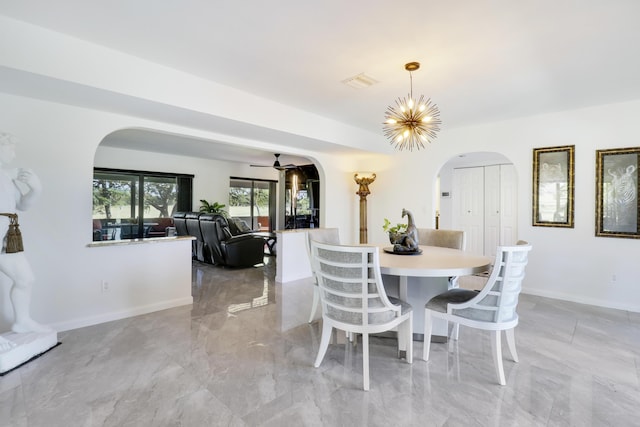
(214, 242)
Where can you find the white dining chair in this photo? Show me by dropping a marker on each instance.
(322, 235)
(493, 308)
(453, 239)
(354, 300)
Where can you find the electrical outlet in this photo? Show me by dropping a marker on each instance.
(614, 279)
(105, 286)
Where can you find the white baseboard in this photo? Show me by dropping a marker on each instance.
(581, 300)
(117, 315)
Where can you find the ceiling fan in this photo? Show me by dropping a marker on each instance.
(276, 164)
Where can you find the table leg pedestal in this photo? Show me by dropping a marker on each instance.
(417, 291)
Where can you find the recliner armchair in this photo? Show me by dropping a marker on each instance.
(180, 222)
(223, 248)
(193, 229)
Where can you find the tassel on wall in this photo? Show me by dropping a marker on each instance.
(14, 236)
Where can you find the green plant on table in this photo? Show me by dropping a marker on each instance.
(396, 232)
(394, 229)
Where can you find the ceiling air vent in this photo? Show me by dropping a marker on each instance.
(360, 81)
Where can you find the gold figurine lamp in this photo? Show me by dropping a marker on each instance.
(363, 179)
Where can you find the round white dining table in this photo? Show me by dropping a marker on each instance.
(425, 275)
(434, 261)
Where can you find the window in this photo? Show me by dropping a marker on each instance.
(253, 201)
(302, 203)
(134, 204)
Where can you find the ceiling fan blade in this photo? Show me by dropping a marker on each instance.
(276, 164)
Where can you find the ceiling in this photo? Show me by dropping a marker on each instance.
(482, 60)
(139, 139)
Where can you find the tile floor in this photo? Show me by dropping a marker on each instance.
(243, 355)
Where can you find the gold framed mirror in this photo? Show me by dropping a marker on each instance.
(617, 206)
(553, 186)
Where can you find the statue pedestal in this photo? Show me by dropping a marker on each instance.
(28, 346)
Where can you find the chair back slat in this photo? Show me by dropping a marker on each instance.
(351, 289)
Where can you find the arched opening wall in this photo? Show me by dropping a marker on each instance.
(478, 192)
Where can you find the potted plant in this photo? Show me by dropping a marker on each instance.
(395, 231)
(215, 207)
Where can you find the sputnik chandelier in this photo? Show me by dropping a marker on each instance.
(410, 124)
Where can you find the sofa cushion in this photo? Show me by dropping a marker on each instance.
(239, 225)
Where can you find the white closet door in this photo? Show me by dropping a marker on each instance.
(468, 206)
(484, 206)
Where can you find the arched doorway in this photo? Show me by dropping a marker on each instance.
(216, 167)
(478, 194)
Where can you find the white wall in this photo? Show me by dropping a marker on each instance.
(569, 264)
(59, 143)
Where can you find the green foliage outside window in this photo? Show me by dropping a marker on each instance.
(108, 194)
(111, 192)
(161, 196)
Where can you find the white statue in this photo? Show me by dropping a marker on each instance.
(18, 189)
